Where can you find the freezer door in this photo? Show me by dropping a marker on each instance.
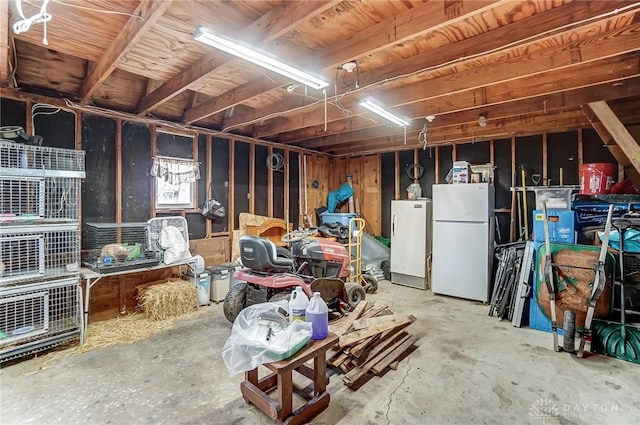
(463, 202)
(461, 260)
(408, 237)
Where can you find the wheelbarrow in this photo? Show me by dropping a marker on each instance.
(575, 278)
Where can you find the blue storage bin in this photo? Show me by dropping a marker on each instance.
(341, 218)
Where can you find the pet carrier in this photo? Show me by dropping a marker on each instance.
(35, 317)
(39, 184)
(40, 161)
(38, 252)
(169, 237)
(114, 247)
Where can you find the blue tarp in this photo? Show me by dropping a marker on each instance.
(337, 196)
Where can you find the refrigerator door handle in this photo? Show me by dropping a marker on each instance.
(393, 225)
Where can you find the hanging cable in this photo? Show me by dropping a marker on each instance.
(422, 136)
(25, 24)
(275, 161)
(414, 171)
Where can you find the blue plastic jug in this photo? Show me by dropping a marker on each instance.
(318, 315)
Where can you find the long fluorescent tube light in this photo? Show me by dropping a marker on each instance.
(258, 58)
(376, 107)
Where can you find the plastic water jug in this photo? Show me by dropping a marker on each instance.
(318, 315)
(298, 304)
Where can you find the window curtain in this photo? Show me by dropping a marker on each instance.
(174, 170)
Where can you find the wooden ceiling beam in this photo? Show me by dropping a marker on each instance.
(514, 32)
(277, 22)
(146, 15)
(550, 103)
(413, 22)
(621, 136)
(505, 130)
(617, 152)
(522, 125)
(567, 55)
(4, 43)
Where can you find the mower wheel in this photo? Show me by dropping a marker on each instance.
(371, 286)
(279, 296)
(234, 302)
(386, 269)
(355, 293)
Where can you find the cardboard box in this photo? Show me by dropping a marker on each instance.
(561, 226)
(461, 173)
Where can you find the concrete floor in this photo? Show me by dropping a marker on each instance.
(468, 368)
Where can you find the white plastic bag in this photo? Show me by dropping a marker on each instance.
(262, 334)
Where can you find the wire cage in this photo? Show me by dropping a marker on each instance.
(158, 225)
(113, 247)
(39, 199)
(38, 252)
(29, 157)
(37, 316)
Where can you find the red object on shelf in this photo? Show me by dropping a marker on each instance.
(597, 178)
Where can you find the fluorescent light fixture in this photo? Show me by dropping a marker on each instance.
(258, 58)
(376, 107)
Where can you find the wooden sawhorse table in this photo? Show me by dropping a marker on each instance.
(255, 390)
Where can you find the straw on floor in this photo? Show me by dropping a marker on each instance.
(172, 298)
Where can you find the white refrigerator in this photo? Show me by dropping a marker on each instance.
(463, 229)
(410, 242)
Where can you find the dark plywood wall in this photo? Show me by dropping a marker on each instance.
(175, 145)
(445, 162)
(241, 180)
(405, 159)
(196, 221)
(56, 126)
(13, 112)
(502, 184)
(99, 188)
(562, 152)
(388, 178)
(278, 188)
(136, 164)
(427, 159)
(261, 194)
(294, 189)
(197, 226)
(594, 149)
(474, 153)
(220, 179)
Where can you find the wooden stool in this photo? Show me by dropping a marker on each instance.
(254, 390)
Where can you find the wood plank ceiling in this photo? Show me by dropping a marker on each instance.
(526, 66)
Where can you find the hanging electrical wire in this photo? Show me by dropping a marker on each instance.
(422, 136)
(275, 161)
(41, 17)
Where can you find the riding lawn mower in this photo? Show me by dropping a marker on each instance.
(271, 273)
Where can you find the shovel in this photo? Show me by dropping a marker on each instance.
(619, 339)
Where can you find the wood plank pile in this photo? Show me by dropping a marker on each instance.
(372, 339)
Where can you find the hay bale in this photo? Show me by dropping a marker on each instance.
(173, 298)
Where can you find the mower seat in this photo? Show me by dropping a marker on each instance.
(260, 254)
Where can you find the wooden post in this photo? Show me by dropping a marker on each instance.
(397, 175)
(270, 185)
(208, 180)
(153, 182)
(545, 171)
(118, 170)
(252, 177)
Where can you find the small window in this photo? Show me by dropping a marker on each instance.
(175, 182)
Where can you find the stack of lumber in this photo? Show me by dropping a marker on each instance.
(372, 339)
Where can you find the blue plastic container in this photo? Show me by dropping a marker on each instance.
(561, 226)
(341, 218)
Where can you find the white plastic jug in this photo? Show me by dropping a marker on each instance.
(318, 315)
(298, 305)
